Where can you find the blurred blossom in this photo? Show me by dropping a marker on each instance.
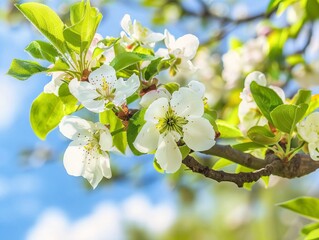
(240, 61)
(307, 75)
(218, 8)
(240, 11)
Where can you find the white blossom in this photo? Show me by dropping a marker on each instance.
(183, 49)
(56, 81)
(307, 75)
(103, 87)
(169, 120)
(309, 131)
(87, 154)
(136, 33)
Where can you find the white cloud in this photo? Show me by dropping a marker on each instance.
(107, 221)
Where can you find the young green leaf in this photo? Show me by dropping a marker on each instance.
(22, 69)
(313, 235)
(42, 50)
(227, 130)
(309, 228)
(69, 101)
(305, 206)
(171, 87)
(303, 96)
(265, 98)
(117, 129)
(221, 163)
(85, 20)
(285, 117)
(263, 135)
(247, 146)
(135, 124)
(46, 21)
(126, 59)
(47, 110)
(152, 69)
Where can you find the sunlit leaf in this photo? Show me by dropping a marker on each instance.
(22, 69)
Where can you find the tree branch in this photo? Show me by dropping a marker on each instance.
(300, 165)
(220, 176)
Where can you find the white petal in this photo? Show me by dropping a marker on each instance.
(256, 76)
(162, 52)
(74, 159)
(188, 44)
(168, 154)
(104, 165)
(74, 127)
(96, 106)
(106, 141)
(280, 92)
(124, 89)
(156, 110)
(154, 37)
(126, 24)
(199, 134)
(313, 150)
(197, 87)
(187, 103)
(103, 74)
(169, 39)
(147, 139)
(83, 91)
(153, 95)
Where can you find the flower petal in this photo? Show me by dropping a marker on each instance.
(169, 39)
(256, 76)
(104, 165)
(185, 102)
(124, 89)
(197, 87)
(74, 127)
(147, 139)
(74, 159)
(156, 110)
(106, 141)
(83, 91)
(199, 134)
(96, 106)
(313, 150)
(188, 45)
(168, 154)
(153, 95)
(126, 24)
(101, 75)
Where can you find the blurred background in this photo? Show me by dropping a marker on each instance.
(39, 200)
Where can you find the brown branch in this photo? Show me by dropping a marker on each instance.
(220, 176)
(300, 165)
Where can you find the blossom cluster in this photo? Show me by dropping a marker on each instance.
(172, 119)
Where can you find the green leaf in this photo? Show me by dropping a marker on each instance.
(310, 227)
(263, 135)
(311, 7)
(184, 151)
(227, 130)
(22, 69)
(58, 66)
(69, 101)
(126, 59)
(273, 4)
(157, 167)
(42, 50)
(46, 21)
(115, 126)
(302, 96)
(305, 206)
(152, 69)
(241, 168)
(136, 122)
(295, 59)
(171, 87)
(313, 235)
(276, 41)
(285, 117)
(247, 146)
(85, 20)
(221, 163)
(47, 110)
(313, 105)
(265, 98)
